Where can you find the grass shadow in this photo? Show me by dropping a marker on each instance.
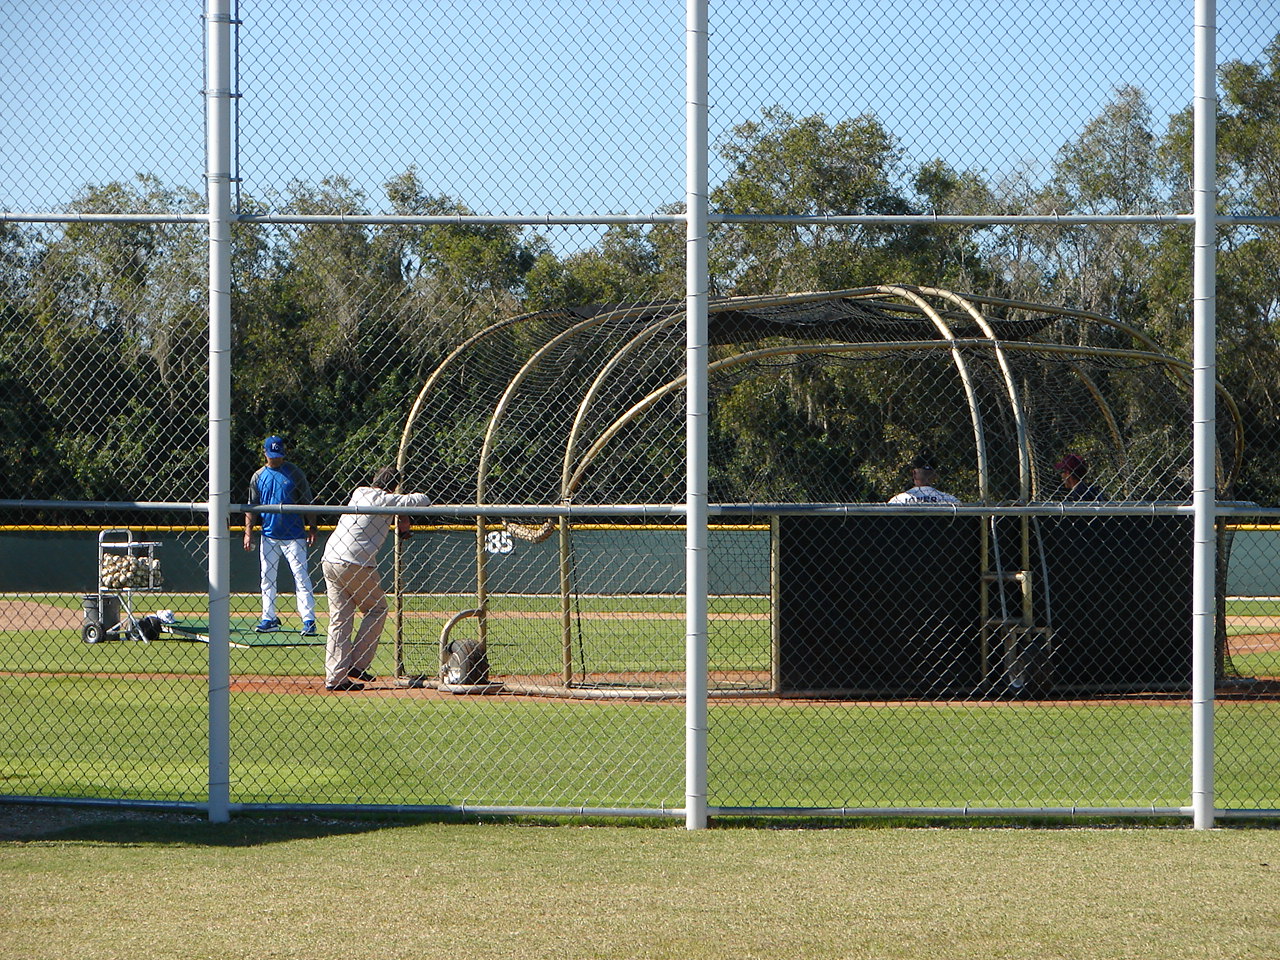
(21, 823)
(121, 826)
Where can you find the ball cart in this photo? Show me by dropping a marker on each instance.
(126, 567)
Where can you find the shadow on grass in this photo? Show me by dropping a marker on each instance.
(26, 824)
(122, 826)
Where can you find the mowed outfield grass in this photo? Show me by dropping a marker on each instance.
(145, 739)
(127, 719)
(331, 889)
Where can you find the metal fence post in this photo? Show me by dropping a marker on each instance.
(218, 133)
(696, 200)
(1203, 415)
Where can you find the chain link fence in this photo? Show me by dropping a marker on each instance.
(950, 441)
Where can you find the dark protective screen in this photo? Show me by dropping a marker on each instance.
(891, 606)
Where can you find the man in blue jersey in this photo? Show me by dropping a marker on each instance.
(283, 534)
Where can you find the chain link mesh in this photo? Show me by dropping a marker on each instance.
(1027, 647)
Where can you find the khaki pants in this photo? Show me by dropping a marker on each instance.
(352, 588)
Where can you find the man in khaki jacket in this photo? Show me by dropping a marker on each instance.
(352, 580)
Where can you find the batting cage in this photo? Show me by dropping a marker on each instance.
(805, 598)
(1046, 426)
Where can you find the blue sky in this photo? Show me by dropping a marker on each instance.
(538, 108)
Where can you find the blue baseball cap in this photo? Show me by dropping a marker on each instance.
(273, 447)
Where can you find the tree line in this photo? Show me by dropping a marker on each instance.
(103, 327)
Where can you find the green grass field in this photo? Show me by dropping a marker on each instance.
(127, 738)
(128, 719)
(1253, 607)
(91, 885)
(517, 646)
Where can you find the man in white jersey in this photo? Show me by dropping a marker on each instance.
(352, 580)
(923, 486)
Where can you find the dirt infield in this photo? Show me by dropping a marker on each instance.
(547, 689)
(33, 615)
(1253, 643)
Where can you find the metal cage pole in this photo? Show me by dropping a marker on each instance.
(218, 95)
(1204, 463)
(696, 443)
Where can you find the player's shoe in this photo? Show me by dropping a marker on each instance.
(308, 628)
(267, 625)
(362, 675)
(344, 685)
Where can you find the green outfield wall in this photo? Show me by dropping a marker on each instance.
(606, 560)
(644, 560)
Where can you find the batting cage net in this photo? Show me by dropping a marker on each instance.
(1013, 403)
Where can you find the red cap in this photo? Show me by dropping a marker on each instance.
(1071, 464)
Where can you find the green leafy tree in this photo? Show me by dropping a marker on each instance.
(1108, 169)
(786, 165)
(1248, 274)
(29, 464)
(338, 324)
(114, 342)
(316, 339)
(959, 260)
(458, 276)
(817, 431)
(631, 263)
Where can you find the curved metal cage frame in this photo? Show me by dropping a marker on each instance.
(904, 321)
